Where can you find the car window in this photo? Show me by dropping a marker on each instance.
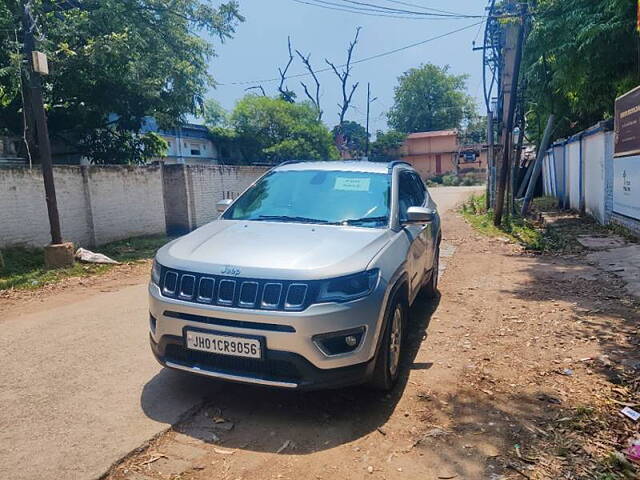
(316, 196)
(419, 188)
(408, 195)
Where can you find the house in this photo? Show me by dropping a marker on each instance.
(189, 143)
(439, 152)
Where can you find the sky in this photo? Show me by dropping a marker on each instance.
(259, 47)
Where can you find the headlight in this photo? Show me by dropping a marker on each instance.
(351, 287)
(155, 273)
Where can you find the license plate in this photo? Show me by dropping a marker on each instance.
(224, 344)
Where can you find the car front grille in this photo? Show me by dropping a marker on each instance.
(251, 293)
(267, 369)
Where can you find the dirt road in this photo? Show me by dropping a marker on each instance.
(80, 388)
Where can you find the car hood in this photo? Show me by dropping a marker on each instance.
(275, 250)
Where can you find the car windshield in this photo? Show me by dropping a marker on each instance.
(316, 196)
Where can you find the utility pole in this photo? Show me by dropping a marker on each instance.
(514, 40)
(369, 102)
(537, 165)
(490, 160)
(56, 254)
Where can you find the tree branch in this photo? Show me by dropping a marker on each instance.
(286, 94)
(343, 76)
(257, 87)
(314, 100)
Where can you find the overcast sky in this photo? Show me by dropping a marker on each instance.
(259, 47)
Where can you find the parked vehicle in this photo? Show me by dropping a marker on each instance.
(304, 281)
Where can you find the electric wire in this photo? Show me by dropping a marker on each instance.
(361, 60)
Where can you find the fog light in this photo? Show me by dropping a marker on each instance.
(351, 340)
(335, 343)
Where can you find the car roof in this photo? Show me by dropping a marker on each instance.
(334, 165)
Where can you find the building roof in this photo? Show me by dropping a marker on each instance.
(436, 133)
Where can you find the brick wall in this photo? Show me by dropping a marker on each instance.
(102, 204)
(23, 212)
(126, 202)
(209, 184)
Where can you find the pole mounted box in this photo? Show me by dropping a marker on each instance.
(40, 64)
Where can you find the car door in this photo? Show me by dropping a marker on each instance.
(408, 196)
(427, 233)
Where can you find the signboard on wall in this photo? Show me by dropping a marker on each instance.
(626, 186)
(627, 124)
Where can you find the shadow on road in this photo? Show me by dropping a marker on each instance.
(262, 419)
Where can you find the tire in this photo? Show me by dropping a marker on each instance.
(387, 369)
(430, 289)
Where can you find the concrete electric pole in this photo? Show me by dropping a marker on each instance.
(57, 254)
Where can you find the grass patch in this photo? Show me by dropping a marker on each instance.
(24, 267)
(514, 228)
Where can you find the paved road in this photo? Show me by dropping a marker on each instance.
(80, 389)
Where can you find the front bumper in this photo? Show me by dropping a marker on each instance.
(292, 359)
(278, 369)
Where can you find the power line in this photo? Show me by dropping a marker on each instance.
(365, 59)
(412, 12)
(420, 6)
(361, 11)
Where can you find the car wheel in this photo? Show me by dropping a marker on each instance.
(430, 289)
(387, 368)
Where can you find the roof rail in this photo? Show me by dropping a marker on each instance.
(393, 163)
(288, 162)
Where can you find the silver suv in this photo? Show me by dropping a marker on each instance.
(304, 281)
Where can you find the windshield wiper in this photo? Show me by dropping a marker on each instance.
(287, 218)
(356, 221)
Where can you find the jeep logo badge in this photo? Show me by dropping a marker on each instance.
(230, 270)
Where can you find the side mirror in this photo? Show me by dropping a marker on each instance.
(222, 205)
(420, 215)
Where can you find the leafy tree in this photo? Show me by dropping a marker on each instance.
(387, 145)
(474, 130)
(430, 98)
(214, 114)
(117, 59)
(353, 135)
(579, 56)
(275, 130)
(138, 149)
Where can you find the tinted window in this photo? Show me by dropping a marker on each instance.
(419, 189)
(408, 195)
(316, 196)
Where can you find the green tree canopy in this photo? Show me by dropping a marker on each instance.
(387, 145)
(474, 130)
(275, 130)
(213, 113)
(579, 56)
(354, 136)
(114, 62)
(430, 98)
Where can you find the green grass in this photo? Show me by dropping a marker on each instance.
(514, 228)
(24, 267)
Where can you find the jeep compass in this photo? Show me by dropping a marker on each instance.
(303, 282)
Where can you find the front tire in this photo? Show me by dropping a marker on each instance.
(387, 368)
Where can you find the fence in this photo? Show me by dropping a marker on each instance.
(102, 204)
(579, 172)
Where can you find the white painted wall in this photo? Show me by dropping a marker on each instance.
(593, 152)
(572, 153)
(101, 204)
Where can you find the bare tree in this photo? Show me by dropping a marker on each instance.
(257, 87)
(285, 93)
(343, 75)
(315, 99)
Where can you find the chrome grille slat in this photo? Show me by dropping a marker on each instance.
(275, 295)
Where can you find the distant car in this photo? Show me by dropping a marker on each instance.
(304, 281)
